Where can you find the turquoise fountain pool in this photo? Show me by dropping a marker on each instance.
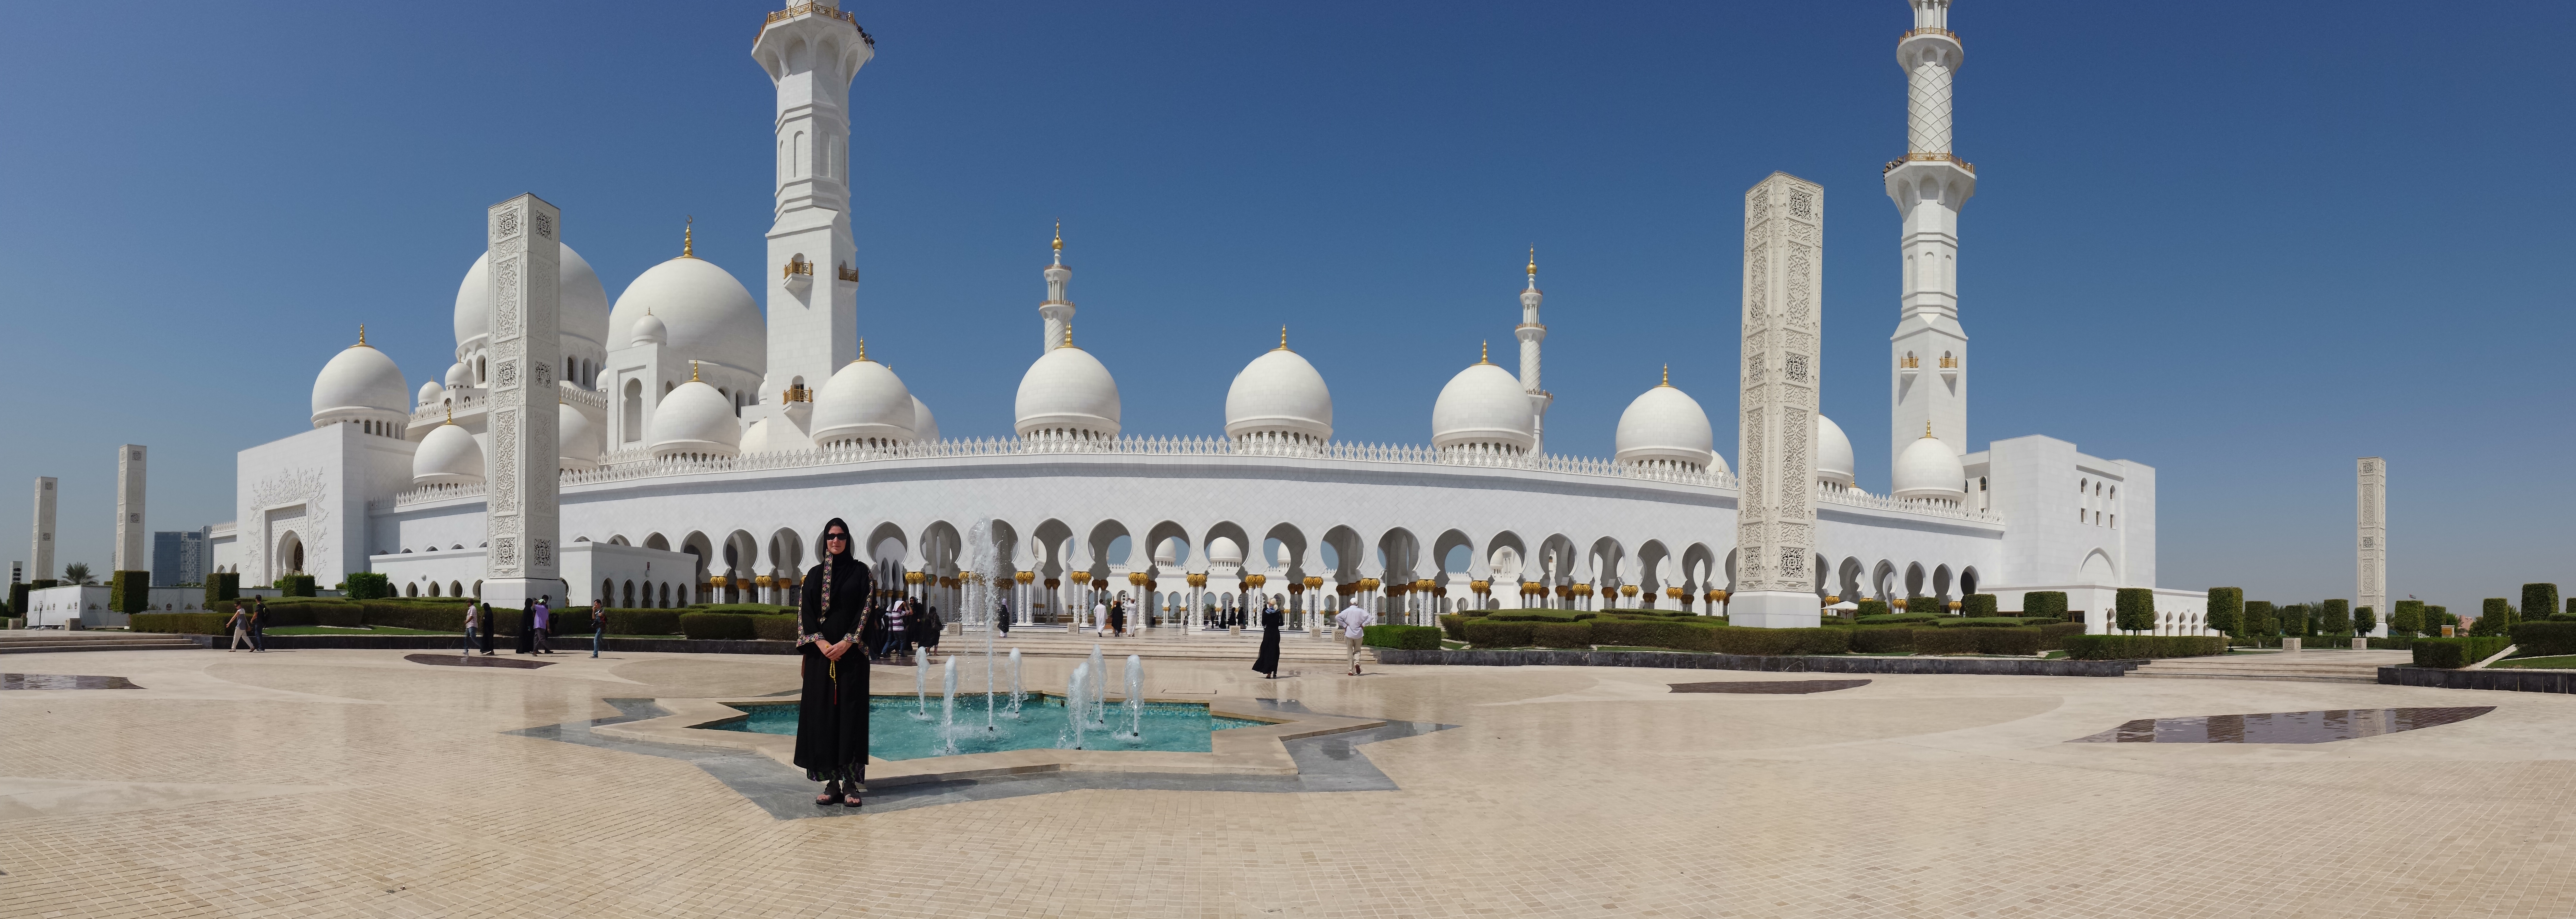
(899, 727)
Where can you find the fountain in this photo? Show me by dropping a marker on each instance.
(1076, 690)
(921, 685)
(1015, 683)
(983, 571)
(1135, 697)
(1093, 706)
(948, 706)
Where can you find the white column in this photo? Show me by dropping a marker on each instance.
(521, 514)
(2372, 565)
(1776, 516)
(133, 547)
(1928, 354)
(40, 539)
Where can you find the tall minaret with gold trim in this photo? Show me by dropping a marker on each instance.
(1057, 310)
(811, 51)
(1531, 332)
(1928, 376)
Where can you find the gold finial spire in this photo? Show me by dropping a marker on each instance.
(451, 413)
(693, 371)
(1068, 333)
(1484, 352)
(1283, 338)
(362, 336)
(863, 350)
(1059, 236)
(688, 244)
(1533, 265)
(1668, 375)
(1927, 428)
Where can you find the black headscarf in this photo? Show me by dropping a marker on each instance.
(824, 541)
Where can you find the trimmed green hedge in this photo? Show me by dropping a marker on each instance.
(368, 585)
(2044, 603)
(1680, 635)
(2539, 601)
(179, 623)
(222, 586)
(1915, 604)
(2335, 618)
(1538, 615)
(2134, 610)
(2406, 617)
(1404, 637)
(2453, 653)
(2495, 618)
(2227, 609)
(1488, 632)
(1870, 608)
(2365, 621)
(1983, 622)
(738, 626)
(1976, 605)
(2261, 619)
(18, 599)
(2544, 639)
(1897, 619)
(1642, 633)
(294, 585)
(1561, 634)
(1454, 625)
(129, 592)
(2129, 647)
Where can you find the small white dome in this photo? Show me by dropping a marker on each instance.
(696, 420)
(925, 426)
(430, 393)
(649, 330)
(359, 381)
(1928, 471)
(577, 438)
(755, 439)
(581, 313)
(1223, 551)
(863, 402)
(1279, 392)
(1833, 453)
(1666, 425)
(1165, 555)
(459, 376)
(1067, 390)
(706, 314)
(1484, 404)
(448, 456)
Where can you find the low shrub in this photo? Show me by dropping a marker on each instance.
(1923, 605)
(2128, 647)
(2227, 609)
(368, 585)
(1945, 641)
(179, 623)
(294, 585)
(1976, 605)
(2052, 636)
(2453, 653)
(1734, 640)
(2539, 600)
(2334, 618)
(1538, 615)
(2406, 617)
(1561, 634)
(1881, 641)
(1489, 632)
(283, 611)
(2545, 639)
(2134, 609)
(1656, 613)
(718, 626)
(2021, 642)
(757, 609)
(1870, 608)
(1898, 619)
(1454, 625)
(1643, 633)
(2495, 618)
(1990, 622)
(129, 591)
(2393, 643)
(2044, 604)
(1405, 637)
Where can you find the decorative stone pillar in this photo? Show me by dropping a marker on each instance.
(2372, 544)
(40, 540)
(1775, 535)
(524, 235)
(132, 552)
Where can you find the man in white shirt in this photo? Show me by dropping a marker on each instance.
(1100, 619)
(1352, 620)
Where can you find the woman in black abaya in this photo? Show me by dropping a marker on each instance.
(1268, 663)
(832, 719)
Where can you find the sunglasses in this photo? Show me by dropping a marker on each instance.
(836, 537)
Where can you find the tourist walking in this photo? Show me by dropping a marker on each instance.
(1118, 617)
(832, 715)
(1002, 618)
(899, 630)
(1353, 620)
(1267, 662)
(598, 625)
(489, 626)
(473, 617)
(928, 628)
(544, 621)
(258, 625)
(527, 629)
(1100, 619)
(239, 625)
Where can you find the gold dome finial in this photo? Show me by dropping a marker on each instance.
(1283, 338)
(863, 350)
(1533, 265)
(1068, 333)
(1668, 375)
(362, 336)
(1484, 352)
(451, 413)
(693, 371)
(1927, 429)
(1059, 236)
(688, 242)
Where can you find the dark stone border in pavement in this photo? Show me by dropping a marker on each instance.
(1328, 763)
(1774, 664)
(2506, 680)
(563, 643)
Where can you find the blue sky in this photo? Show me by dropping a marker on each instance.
(2242, 243)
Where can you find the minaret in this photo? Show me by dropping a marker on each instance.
(1929, 352)
(811, 51)
(1775, 522)
(1531, 332)
(2372, 545)
(1057, 311)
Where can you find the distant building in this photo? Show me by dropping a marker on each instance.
(180, 557)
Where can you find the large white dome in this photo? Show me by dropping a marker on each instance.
(925, 426)
(1928, 471)
(1666, 425)
(863, 402)
(1833, 453)
(582, 311)
(448, 456)
(1067, 390)
(696, 420)
(1483, 405)
(1279, 392)
(359, 381)
(709, 315)
(577, 438)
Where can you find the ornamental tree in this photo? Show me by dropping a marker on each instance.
(2227, 609)
(2135, 608)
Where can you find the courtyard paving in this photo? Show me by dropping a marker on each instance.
(359, 783)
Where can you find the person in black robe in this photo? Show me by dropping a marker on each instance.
(928, 627)
(832, 716)
(1267, 664)
(489, 627)
(527, 629)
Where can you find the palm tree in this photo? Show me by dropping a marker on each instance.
(78, 573)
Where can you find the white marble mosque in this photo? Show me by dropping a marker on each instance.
(705, 429)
